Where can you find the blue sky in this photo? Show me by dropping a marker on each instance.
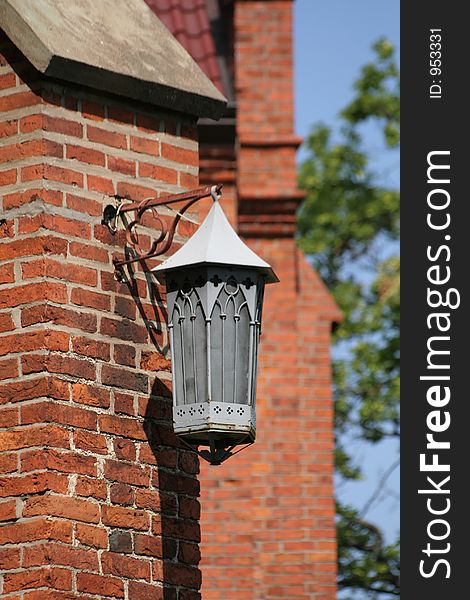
(333, 40)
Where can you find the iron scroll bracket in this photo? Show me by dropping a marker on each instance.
(162, 243)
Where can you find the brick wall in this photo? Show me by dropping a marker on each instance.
(97, 499)
(267, 521)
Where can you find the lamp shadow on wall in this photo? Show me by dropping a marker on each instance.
(177, 509)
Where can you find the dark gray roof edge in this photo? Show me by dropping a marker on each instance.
(131, 87)
(41, 57)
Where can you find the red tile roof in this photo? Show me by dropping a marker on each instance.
(188, 21)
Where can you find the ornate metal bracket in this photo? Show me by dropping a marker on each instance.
(163, 242)
(217, 455)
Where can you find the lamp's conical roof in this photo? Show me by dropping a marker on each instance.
(215, 242)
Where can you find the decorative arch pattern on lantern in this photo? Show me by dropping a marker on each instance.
(215, 321)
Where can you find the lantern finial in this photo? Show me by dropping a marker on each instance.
(216, 193)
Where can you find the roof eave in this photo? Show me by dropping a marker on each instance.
(174, 99)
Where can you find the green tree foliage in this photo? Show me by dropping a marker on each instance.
(346, 221)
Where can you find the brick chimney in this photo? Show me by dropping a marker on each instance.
(268, 516)
(97, 498)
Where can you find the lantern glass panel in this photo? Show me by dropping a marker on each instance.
(215, 318)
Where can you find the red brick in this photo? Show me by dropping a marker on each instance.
(121, 493)
(108, 138)
(180, 155)
(6, 229)
(91, 535)
(90, 395)
(31, 530)
(147, 456)
(158, 173)
(56, 363)
(126, 167)
(125, 566)
(92, 110)
(27, 224)
(19, 198)
(120, 115)
(84, 205)
(144, 591)
(67, 226)
(19, 100)
(7, 274)
(91, 488)
(144, 145)
(24, 437)
(148, 545)
(91, 348)
(89, 252)
(108, 280)
(30, 148)
(179, 574)
(6, 323)
(52, 460)
(101, 185)
(9, 417)
(125, 307)
(100, 585)
(39, 245)
(158, 573)
(54, 173)
(28, 389)
(35, 483)
(32, 173)
(53, 595)
(86, 155)
(124, 449)
(189, 181)
(64, 126)
(92, 442)
(32, 292)
(64, 271)
(135, 192)
(124, 403)
(127, 518)
(8, 510)
(121, 426)
(90, 299)
(178, 529)
(9, 559)
(59, 554)
(8, 368)
(62, 506)
(153, 361)
(8, 128)
(46, 313)
(124, 378)
(47, 577)
(150, 123)
(124, 330)
(190, 508)
(189, 553)
(124, 355)
(8, 177)
(125, 473)
(31, 123)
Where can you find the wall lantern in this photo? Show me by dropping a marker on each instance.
(215, 286)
